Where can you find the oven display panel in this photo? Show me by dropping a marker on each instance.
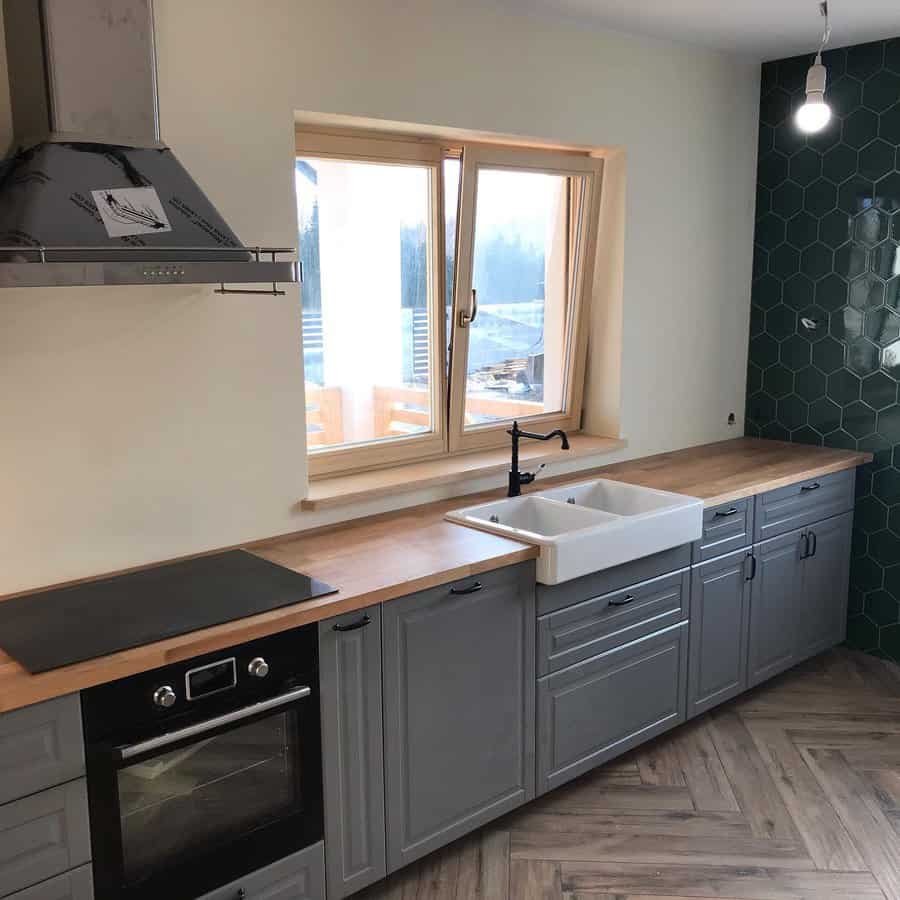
(211, 679)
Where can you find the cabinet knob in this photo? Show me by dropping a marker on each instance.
(258, 667)
(164, 696)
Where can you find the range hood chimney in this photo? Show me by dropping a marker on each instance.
(89, 194)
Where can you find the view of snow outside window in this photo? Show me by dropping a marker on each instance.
(365, 247)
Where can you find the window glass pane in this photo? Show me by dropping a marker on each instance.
(452, 169)
(517, 343)
(365, 247)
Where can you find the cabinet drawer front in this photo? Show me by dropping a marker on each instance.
(40, 746)
(600, 708)
(726, 528)
(610, 620)
(75, 885)
(557, 596)
(43, 835)
(300, 876)
(802, 503)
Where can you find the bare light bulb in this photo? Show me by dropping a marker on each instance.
(815, 114)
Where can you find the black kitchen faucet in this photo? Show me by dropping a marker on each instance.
(517, 478)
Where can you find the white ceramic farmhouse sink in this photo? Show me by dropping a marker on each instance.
(583, 528)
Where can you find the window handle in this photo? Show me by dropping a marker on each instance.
(467, 318)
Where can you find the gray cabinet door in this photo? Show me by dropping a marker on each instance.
(300, 876)
(75, 885)
(353, 759)
(40, 746)
(773, 606)
(458, 708)
(822, 604)
(720, 620)
(599, 708)
(43, 835)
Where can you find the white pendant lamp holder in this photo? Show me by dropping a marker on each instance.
(815, 113)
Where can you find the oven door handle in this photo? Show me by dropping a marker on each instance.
(173, 737)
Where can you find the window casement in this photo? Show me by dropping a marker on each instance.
(445, 294)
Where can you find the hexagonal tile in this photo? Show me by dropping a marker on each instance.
(871, 227)
(763, 201)
(778, 381)
(846, 323)
(761, 408)
(843, 387)
(805, 166)
(882, 326)
(770, 231)
(890, 360)
(866, 574)
(889, 641)
(772, 169)
(792, 412)
(885, 260)
(894, 520)
(787, 199)
(828, 355)
(812, 323)
(895, 227)
(879, 448)
(792, 74)
(860, 127)
(839, 163)
(886, 486)
(870, 514)
(892, 55)
(787, 138)
(879, 391)
(864, 60)
(802, 230)
(784, 261)
(851, 260)
(866, 292)
(831, 291)
(880, 606)
(862, 356)
(781, 321)
(816, 261)
(809, 383)
(764, 350)
(807, 435)
(795, 353)
(858, 420)
(757, 320)
(754, 378)
(820, 197)
(862, 633)
(840, 440)
(876, 160)
(828, 137)
(889, 125)
(797, 292)
(775, 107)
(889, 424)
(760, 261)
(887, 192)
(881, 90)
(835, 228)
(856, 194)
(766, 292)
(775, 431)
(843, 94)
(824, 415)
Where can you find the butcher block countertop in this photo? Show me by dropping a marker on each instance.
(379, 558)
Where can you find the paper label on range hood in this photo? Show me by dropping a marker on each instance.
(132, 210)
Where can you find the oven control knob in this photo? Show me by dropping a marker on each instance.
(258, 667)
(164, 697)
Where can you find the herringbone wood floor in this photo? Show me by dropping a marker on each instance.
(791, 792)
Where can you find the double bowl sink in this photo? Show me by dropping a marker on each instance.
(583, 528)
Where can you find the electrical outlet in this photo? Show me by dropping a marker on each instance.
(731, 419)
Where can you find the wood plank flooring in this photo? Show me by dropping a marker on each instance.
(791, 792)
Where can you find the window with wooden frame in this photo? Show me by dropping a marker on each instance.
(445, 294)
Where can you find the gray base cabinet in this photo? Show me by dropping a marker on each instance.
(599, 708)
(459, 669)
(353, 764)
(75, 885)
(300, 876)
(720, 621)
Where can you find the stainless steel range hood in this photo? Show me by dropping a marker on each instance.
(89, 194)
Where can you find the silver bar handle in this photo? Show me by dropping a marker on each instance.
(190, 731)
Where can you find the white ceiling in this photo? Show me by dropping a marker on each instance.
(762, 29)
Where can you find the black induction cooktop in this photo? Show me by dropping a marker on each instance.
(59, 627)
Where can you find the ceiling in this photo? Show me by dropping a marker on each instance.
(761, 29)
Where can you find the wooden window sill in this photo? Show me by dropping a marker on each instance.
(342, 490)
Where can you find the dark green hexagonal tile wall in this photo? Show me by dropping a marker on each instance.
(825, 325)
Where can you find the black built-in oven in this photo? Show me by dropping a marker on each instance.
(202, 771)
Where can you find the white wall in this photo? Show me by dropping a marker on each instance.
(143, 424)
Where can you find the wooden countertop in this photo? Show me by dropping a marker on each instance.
(379, 558)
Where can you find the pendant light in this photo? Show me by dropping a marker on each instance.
(815, 113)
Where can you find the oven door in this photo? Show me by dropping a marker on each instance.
(179, 814)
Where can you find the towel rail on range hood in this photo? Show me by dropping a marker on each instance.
(86, 135)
